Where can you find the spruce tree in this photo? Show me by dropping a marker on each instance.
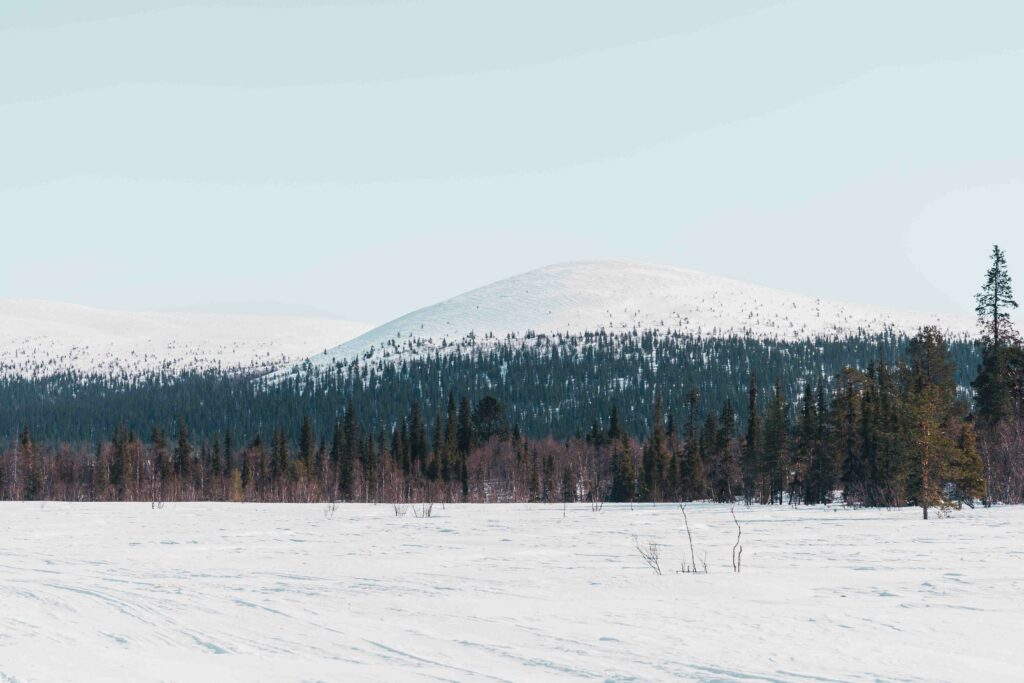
(465, 429)
(306, 445)
(931, 447)
(33, 466)
(418, 447)
(342, 479)
(623, 471)
(931, 410)
(279, 460)
(693, 477)
(752, 445)
(533, 483)
(350, 436)
(725, 474)
(320, 467)
(163, 467)
(994, 303)
(229, 462)
(100, 474)
(548, 479)
(851, 387)
(216, 458)
(655, 455)
(806, 437)
(890, 467)
(614, 425)
(183, 451)
(966, 473)
(368, 461)
(776, 433)
(451, 440)
(490, 419)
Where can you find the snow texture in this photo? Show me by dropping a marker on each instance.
(620, 296)
(506, 593)
(44, 338)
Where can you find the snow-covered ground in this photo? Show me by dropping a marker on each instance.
(620, 296)
(46, 337)
(506, 593)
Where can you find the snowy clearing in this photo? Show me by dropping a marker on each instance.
(283, 592)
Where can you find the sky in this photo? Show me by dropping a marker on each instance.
(367, 158)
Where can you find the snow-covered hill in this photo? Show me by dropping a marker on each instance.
(618, 296)
(42, 337)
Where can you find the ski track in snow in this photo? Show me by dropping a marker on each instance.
(505, 593)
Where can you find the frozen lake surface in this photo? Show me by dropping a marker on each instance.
(506, 593)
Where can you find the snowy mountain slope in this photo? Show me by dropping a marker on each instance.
(43, 337)
(618, 296)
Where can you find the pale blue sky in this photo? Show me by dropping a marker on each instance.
(367, 158)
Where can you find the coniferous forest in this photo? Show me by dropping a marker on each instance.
(886, 420)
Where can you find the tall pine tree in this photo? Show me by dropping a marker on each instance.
(994, 304)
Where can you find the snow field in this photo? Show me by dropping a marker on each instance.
(506, 593)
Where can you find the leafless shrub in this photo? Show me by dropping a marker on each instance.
(651, 552)
(330, 509)
(737, 550)
(400, 509)
(424, 510)
(692, 568)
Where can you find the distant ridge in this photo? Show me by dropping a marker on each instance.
(45, 338)
(618, 296)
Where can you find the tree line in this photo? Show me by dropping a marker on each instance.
(898, 430)
(550, 386)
